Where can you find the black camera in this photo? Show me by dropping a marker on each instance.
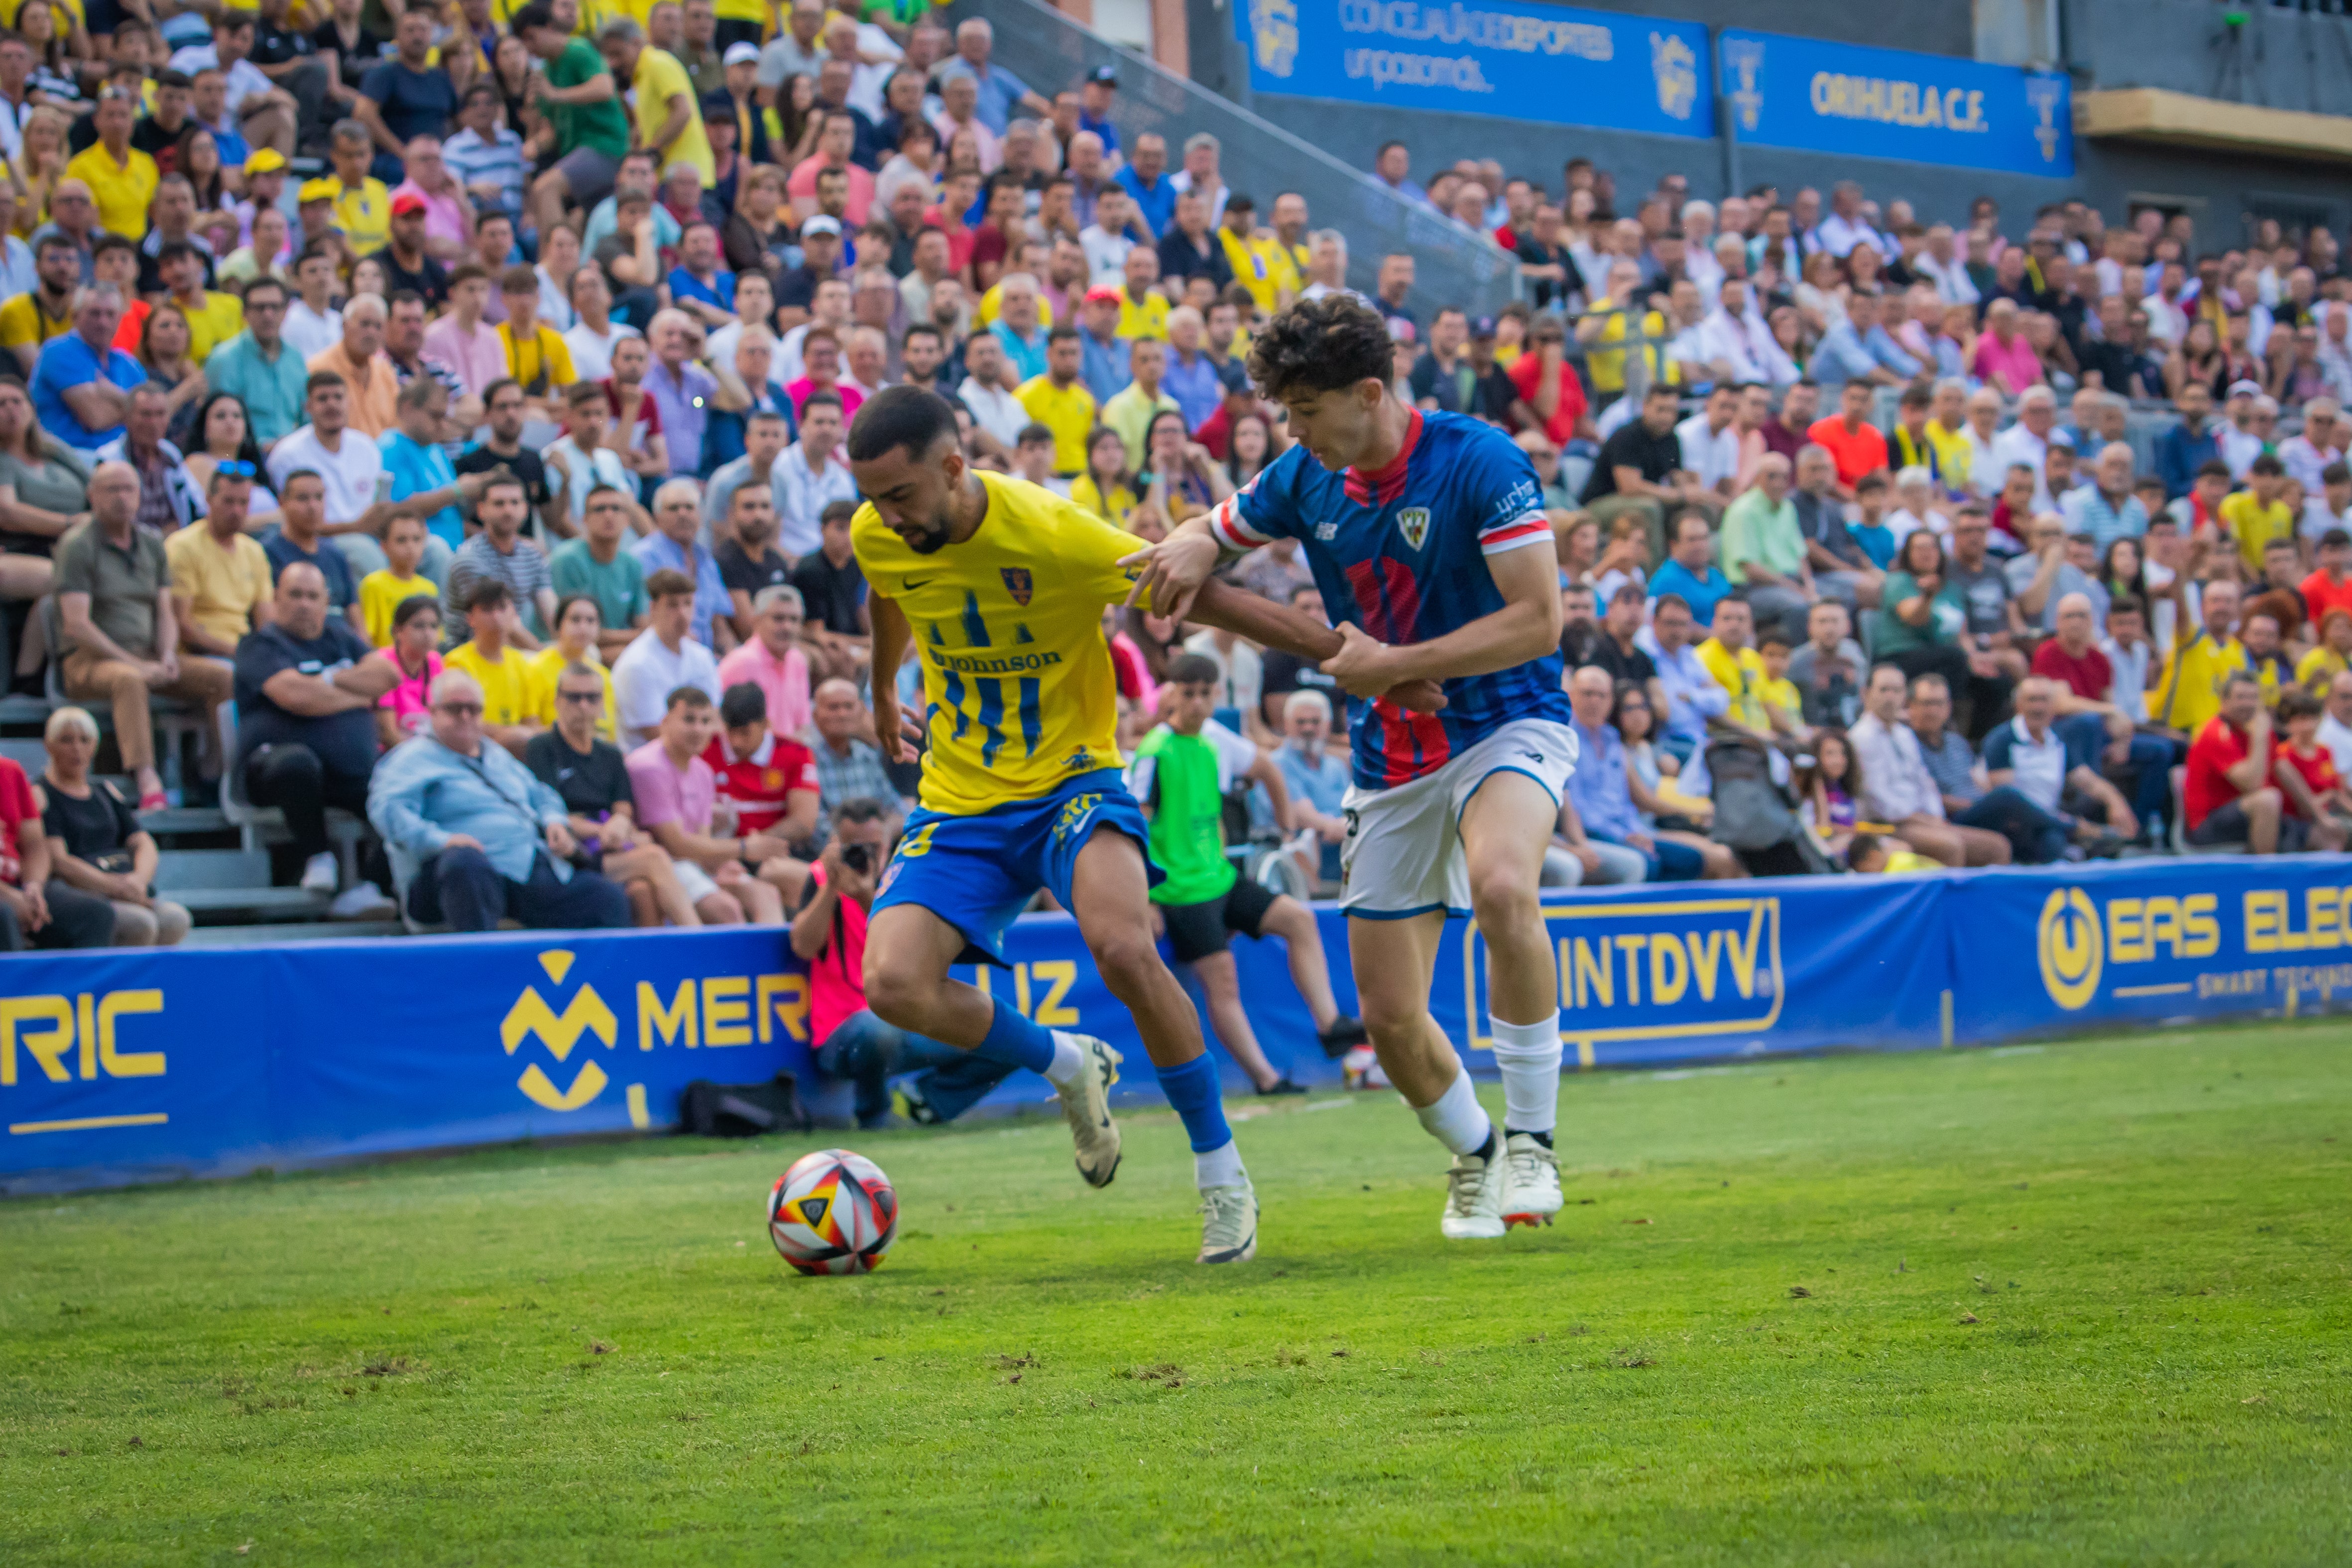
(858, 857)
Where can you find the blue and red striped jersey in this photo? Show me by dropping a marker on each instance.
(1403, 554)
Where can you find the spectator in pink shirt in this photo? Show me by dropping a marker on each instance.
(405, 709)
(821, 364)
(469, 347)
(2005, 359)
(676, 792)
(448, 215)
(835, 143)
(772, 661)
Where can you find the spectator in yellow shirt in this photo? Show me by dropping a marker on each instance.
(122, 179)
(2259, 513)
(669, 116)
(1256, 261)
(362, 208)
(1059, 401)
(2188, 695)
(1142, 309)
(31, 318)
(1105, 489)
(1736, 666)
(509, 682)
(213, 317)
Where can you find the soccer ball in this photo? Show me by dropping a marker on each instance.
(833, 1212)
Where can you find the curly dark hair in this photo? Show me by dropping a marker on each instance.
(1321, 345)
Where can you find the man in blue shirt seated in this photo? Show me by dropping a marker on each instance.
(1693, 695)
(81, 382)
(485, 838)
(1600, 792)
(697, 284)
(1690, 572)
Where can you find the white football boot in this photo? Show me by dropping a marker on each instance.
(1530, 1182)
(1228, 1224)
(1473, 1200)
(1086, 1106)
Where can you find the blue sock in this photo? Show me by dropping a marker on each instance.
(1194, 1091)
(1015, 1041)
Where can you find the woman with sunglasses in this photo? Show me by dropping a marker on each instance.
(224, 443)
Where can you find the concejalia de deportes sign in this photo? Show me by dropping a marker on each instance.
(145, 1065)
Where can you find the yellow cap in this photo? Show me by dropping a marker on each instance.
(319, 191)
(263, 160)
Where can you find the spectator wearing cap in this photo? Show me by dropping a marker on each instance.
(487, 839)
(2236, 442)
(1105, 358)
(1097, 90)
(663, 659)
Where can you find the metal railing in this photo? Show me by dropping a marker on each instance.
(1452, 267)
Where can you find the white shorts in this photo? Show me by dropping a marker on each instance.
(1402, 854)
(696, 881)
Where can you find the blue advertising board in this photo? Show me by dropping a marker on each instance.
(144, 1065)
(1783, 91)
(1552, 63)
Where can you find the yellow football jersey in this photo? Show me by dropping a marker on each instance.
(1017, 680)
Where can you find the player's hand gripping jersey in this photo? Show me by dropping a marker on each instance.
(1017, 683)
(1401, 553)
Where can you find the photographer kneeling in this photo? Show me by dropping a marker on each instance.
(829, 936)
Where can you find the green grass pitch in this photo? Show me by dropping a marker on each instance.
(2084, 1303)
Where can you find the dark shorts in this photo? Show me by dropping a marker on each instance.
(589, 174)
(1196, 931)
(2228, 825)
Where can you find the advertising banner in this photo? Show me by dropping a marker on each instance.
(2150, 941)
(143, 1065)
(1552, 63)
(1896, 103)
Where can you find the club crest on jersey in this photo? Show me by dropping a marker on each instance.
(1327, 531)
(1018, 583)
(1413, 523)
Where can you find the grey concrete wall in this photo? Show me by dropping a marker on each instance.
(2280, 59)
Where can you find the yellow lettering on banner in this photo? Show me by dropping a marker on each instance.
(727, 1010)
(49, 1048)
(127, 1063)
(2201, 932)
(675, 1023)
(1743, 958)
(1566, 976)
(2127, 931)
(1669, 970)
(1631, 946)
(1705, 954)
(89, 1036)
(1059, 974)
(2323, 916)
(1592, 976)
(782, 997)
(2267, 920)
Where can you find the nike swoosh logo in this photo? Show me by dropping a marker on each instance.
(914, 582)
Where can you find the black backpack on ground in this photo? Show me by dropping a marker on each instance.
(708, 1110)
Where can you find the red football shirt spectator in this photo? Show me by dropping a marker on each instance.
(762, 782)
(2317, 767)
(2322, 594)
(17, 806)
(1858, 451)
(2219, 747)
(2087, 674)
(1561, 428)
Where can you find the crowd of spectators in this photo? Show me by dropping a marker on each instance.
(459, 413)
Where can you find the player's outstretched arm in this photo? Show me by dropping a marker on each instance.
(1526, 627)
(1173, 571)
(1296, 632)
(891, 638)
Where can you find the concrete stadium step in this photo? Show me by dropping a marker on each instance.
(23, 715)
(26, 751)
(272, 904)
(192, 871)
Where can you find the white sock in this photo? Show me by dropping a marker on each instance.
(1220, 1167)
(1069, 1062)
(1456, 1119)
(1529, 1055)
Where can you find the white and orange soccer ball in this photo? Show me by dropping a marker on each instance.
(833, 1212)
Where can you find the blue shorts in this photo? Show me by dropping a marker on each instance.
(978, 872)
